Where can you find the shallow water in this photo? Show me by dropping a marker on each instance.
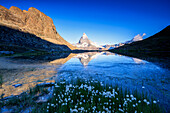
(128, 72)
(110, 68)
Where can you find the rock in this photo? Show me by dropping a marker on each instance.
(45, 98)
(32, 21)
(42, 99)
(46, 84)
(17, 85)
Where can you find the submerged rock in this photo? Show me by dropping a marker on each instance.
(46, 84)
(17, 85)
(46, 97)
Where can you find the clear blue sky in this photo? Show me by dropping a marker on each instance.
(104, 21)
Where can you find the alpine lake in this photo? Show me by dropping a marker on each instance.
(108, 70)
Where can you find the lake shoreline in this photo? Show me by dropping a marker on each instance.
(160, 58)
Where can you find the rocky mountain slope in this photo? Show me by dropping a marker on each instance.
(33, 22)
(18, 42)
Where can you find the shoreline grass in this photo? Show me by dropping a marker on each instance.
(93, 96)
(86, 96)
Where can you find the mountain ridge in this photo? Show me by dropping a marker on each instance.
(155, 48)
(32, 21)
(134, 39)
(158, 42)
(157, 45)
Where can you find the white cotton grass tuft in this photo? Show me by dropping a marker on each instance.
(145, 100)
(88, 95)
(154, 102)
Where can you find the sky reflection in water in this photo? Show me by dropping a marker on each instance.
(113, 69)
(110, 68)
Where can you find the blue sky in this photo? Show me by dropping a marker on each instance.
(104, 21)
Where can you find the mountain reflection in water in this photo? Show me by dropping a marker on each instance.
(85, 58)
(31, 70)
(107, 67)
(138, 61)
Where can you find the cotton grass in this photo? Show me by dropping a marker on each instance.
(92, 96)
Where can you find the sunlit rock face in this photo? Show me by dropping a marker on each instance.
(85, 43)
(32, 21)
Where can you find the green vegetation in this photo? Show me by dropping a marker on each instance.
(93, 96)
(85, 96)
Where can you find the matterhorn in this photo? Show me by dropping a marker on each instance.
(86, 44)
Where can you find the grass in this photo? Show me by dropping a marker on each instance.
(87, 96)
(93, 96)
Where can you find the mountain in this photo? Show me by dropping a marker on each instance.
(31, 22)
(157, 42)
(135, 39)
(15, 41)
(153, 49)
(86, 44)
(109, 47)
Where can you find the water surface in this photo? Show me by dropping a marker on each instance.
(109, 68)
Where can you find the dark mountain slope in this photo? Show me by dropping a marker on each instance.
(157, 42)
(18, 41)
(153, 49)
